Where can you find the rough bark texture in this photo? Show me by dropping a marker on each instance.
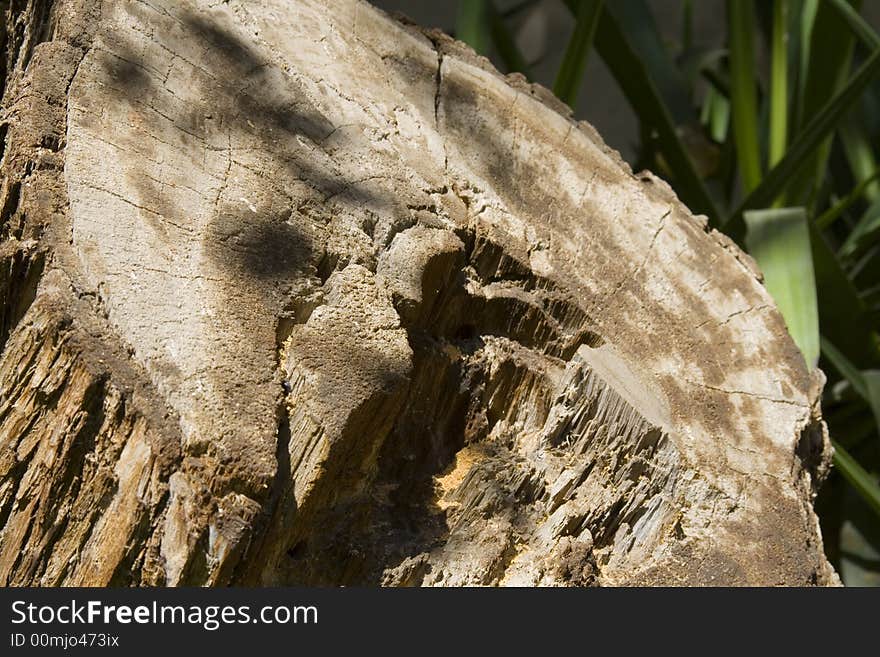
(296, 293)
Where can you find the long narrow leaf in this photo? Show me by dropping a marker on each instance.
(844, 367)
(867, 225)
(866, 384)
(571, 71)
(827, 68)
(810, 138)
(716, 115)
(807, 18)
(778, 83)
(857, 477)
(636, 20)
(779, 239)
(843, 317)
(628, 65)
(857, 24)
(857, 145)
(471, 24)
(859, 152)
(831, 215)
(872, 383)
(744, 104)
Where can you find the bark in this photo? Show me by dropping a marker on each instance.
(299, 293)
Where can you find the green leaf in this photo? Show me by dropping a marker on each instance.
(628, 43)
(778, 83)
(716, 114)
(844, 367)
(807, 19)
(866, 384)
(635, 20)
(741, 25)
(505, 44)
(571, 71)
(829, 57)
(859, 153)
(831, 215)
(856, 23)
(807, 142)
(872, 383)
(843, 317)
(856, 142)
(866, 226)
(471, 25)
(779, 239)
(857, 477)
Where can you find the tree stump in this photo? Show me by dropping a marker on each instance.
(300, 293)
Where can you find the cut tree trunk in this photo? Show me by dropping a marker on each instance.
(299, 293)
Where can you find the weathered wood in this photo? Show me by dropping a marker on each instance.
(294, 292)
